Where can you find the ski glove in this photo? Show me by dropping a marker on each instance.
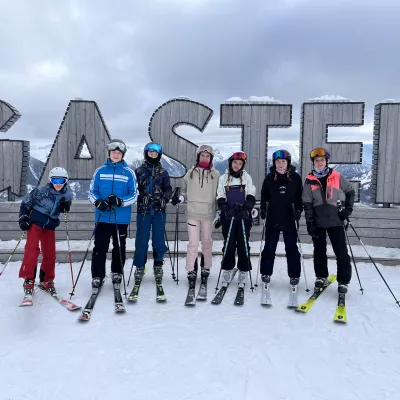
(297, 214)
(311, 231)
(217, 220)
(263, 213)
(115, 201)
(102, 205)
(344, 214)
(24, 222)
(65, 205)
(175, 200)
(244, 214)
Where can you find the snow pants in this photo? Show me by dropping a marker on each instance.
(337, 237)
(102, 236)
(292, 251)
(47, 239)
(145, 223)
(237, 241)
(194, 228)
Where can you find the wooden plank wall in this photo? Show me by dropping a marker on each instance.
(167, 118)
(316, 117)
(254, 119)
(386, 150)
(14, 164)
(82, 118)
(376, 226)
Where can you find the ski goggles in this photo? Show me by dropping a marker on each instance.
(58, 180)
(239, 155)
(283, 154)
(153, 147)
(320, 152)
(116, 146)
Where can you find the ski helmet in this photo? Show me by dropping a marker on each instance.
(58, 176)
(152, 146)
(116, 144)
(320, 152)
(239, 155)
(283, 155)
(206, 148)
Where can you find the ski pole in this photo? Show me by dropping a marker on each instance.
(225, 248)
(120, 251)
(84, 258)
(15, 249)
(176, 243)
(259, 256)
(247, 254)
(346, 227)
(69, 248)
(373, 262)
(301, 251)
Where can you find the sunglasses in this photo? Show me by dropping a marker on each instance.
(239, 155)
(281, 154)
(58, 181)
(153, 147)
(116, 146)
(320, 152)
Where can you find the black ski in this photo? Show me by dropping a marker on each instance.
(221, 293)
(239, 300)
(87, 311)
(191, 295)
(118, 302)
(202, 293)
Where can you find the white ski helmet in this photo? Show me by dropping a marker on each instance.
(58, 172)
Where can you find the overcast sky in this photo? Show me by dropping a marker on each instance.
(131, 56)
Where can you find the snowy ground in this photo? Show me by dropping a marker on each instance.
(170, 352)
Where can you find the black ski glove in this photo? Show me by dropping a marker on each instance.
(297, 214)
(24, 222)
(102, 205)
(311, 231)
(244, 214)
(263, 213)
(115, 201)
(344, 214)
(65, 205)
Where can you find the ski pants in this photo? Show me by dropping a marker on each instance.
(193, 245)
(237, 241)
(102, 236)
(145, 223)
(292, 252)
(47, 239)
(337, 237)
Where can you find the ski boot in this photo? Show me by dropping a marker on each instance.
(342, 288)
(116, 279)
(29, 285)
(227, 276)
(192, 276)
(96, 285)
(242, 278)
(139, 273)
(320, 284)
(205, 273)
(49, 287)
(294, 281)
(266, 278)
(158, 271)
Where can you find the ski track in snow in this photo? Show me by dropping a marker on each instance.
(169, 351)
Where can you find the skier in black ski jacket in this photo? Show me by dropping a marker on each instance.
(281, 206)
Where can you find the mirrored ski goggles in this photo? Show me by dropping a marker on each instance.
(320, 152)
(239, 155)
(153, 147)
(280, 154)
(58, 181)
(116, 146)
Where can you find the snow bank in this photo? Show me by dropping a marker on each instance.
(253, 99)
(329, 98)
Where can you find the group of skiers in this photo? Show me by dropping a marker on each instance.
(212, 199)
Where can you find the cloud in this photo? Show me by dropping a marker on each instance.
(132, 58)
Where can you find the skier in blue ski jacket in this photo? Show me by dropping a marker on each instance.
(113, 190)
(155, 192)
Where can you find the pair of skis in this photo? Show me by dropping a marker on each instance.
(134, 295)
(239, 299)
(28, 300)
(118, 302)
(191, 297)
(340, 312)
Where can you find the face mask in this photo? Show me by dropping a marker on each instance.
(320, 171)
(203, 164)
